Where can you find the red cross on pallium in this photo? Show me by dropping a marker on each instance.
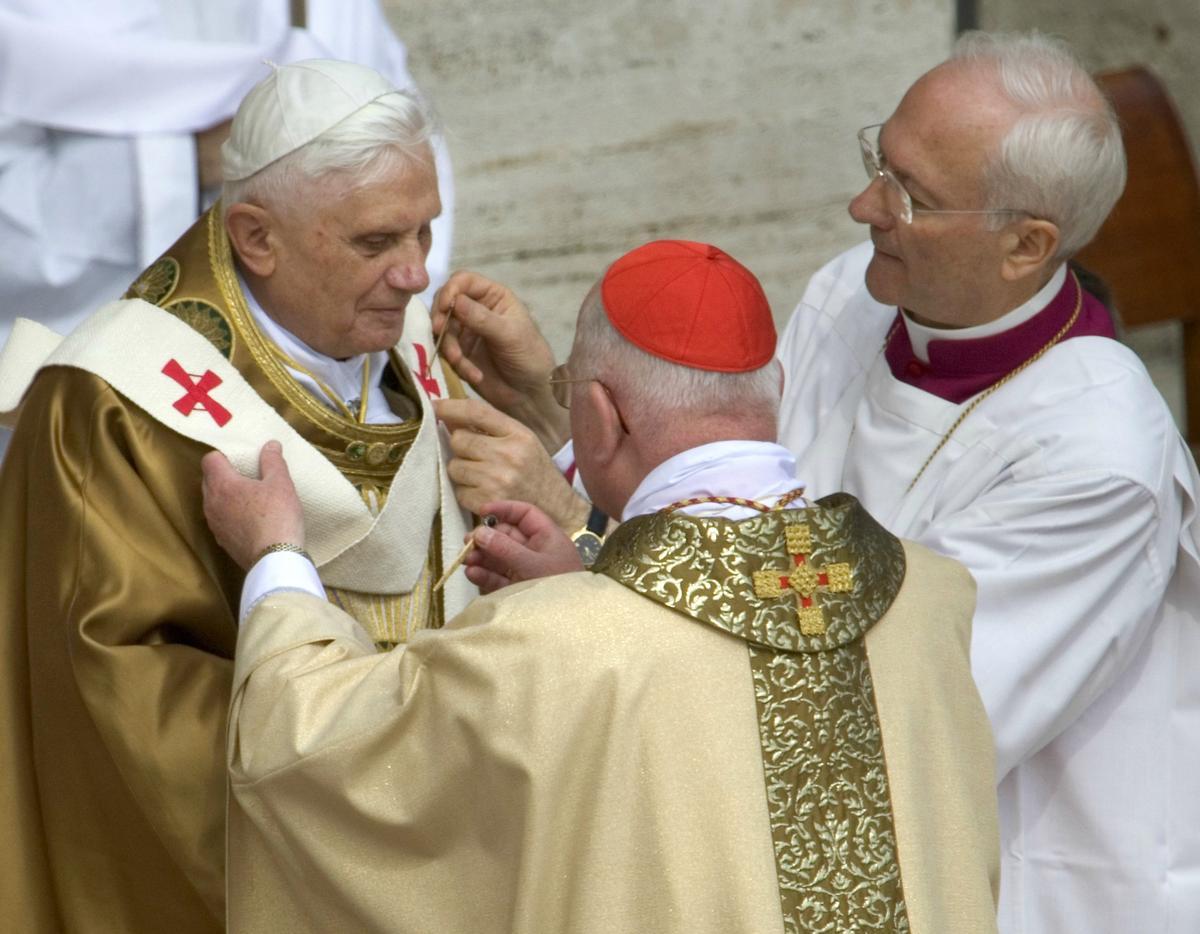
(198, 389)
(805, 580)
(424, 374)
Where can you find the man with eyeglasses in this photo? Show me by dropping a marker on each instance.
(756, 715)
(955, 376)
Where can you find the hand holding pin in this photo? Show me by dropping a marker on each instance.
(491, 522)
(437, 345)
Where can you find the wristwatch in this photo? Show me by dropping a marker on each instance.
(589, 539)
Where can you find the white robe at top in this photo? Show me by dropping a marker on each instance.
(1071, 498)
(98, 103)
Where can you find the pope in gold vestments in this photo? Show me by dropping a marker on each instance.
(757, 726)
(118, 610)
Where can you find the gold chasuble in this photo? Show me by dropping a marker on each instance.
(119, 609)
(761, 726)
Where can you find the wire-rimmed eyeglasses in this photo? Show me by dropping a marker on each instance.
(900, 202)
(560, 385)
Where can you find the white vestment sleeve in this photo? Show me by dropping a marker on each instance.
(823, 352)
(279, 570)
(128, 79)
(168, 191)
(1056, 619)
(68, 223)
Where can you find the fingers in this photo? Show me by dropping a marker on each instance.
(486, 580)
(512, 452)
(474, 414)
(498, 550)
(508, 512)
(246, 514)
(503, 555)
(479, 288)
(457, 344)
(478, 317)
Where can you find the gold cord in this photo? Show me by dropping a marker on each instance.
(783, 501)
(333, 397)
(996, 385)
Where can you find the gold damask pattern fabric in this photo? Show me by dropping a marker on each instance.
(827, 792)
(823, 758)
(705, 569)
(157, 282)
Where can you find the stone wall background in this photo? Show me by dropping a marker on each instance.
(579, 130)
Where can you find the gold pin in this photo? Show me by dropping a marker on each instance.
(437, 345)
(490, 521)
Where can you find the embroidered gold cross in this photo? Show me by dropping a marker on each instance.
(804, 579)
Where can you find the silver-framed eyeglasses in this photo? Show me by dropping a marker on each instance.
(560, 385)
(561, 381)
(899, 201)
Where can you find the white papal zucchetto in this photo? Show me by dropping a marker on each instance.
(292, 106)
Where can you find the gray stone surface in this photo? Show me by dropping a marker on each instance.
(1161, 348)
(579, 130)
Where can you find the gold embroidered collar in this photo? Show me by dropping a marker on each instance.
(798, 580)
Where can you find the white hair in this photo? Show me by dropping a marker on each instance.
(391, 131)
(1063, 159)
(644, 382)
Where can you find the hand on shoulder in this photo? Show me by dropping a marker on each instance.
(247, 514)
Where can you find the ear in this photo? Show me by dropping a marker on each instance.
(608, 433)
(252, 236)
(1030, 245)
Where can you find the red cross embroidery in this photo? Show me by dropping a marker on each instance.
(804, 580)
(424, 374)
(198, 390)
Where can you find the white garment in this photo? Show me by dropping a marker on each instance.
(99, 101)
(343, 377)
(757, 470)
(1071, 498)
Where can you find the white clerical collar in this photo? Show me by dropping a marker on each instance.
(343, 377)
(919, 335)
(758, 470)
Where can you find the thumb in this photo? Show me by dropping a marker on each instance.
(271, 464)
(499, 547)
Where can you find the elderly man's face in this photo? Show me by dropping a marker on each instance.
(943, 268)
(350, 259)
